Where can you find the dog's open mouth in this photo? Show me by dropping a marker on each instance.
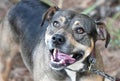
(60, 60)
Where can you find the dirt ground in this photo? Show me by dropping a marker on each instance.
(110, 55)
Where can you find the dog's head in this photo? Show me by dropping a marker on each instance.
(70, 36)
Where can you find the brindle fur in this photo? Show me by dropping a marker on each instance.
(32, 39)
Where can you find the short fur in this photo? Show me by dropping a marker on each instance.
(34, 40)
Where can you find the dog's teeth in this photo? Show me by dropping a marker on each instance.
(55, 53)
(62, 61)
(71, 55)
(51, 58)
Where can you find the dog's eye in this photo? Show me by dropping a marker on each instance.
(79, 30)
(56, 24)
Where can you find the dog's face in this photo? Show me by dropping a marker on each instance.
(70, 37)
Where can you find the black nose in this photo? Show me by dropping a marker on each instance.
(58, 39)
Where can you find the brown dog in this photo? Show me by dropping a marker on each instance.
(62, 48)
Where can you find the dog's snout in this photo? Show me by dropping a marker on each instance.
(58, 39)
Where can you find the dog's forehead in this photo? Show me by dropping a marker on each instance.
(67, 14)
(84, 21)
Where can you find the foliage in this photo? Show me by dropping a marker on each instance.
(114, 28)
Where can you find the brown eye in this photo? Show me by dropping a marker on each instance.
(56, 24)
(79, 30)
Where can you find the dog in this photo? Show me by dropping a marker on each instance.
(58, 49)
(70, 38)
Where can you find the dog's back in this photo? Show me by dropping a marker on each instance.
(25, 18)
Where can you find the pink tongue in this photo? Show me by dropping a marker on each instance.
(62, 56)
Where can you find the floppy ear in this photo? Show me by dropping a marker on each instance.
(102, 33)
(48, 14)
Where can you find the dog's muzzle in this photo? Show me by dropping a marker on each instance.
(60, 60)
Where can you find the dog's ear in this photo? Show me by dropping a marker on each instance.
(102, 32)
(48, 14)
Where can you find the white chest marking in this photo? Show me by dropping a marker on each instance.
(71, 74)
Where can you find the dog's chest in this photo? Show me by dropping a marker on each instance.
(71, 74)
(75, 67)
